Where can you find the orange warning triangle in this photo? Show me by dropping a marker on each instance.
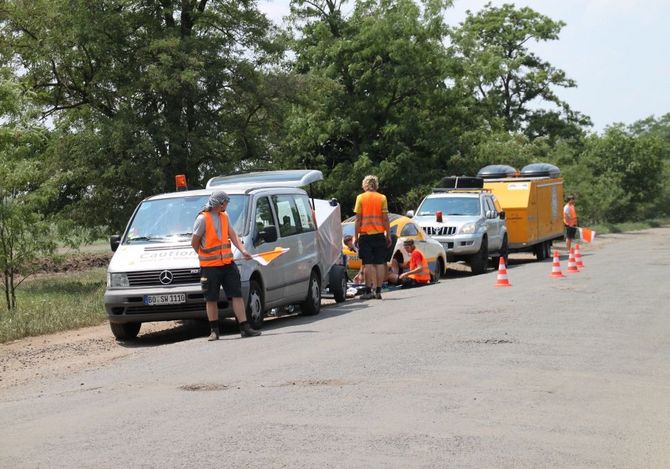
(264, 258)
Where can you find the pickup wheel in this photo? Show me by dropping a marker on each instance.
(504, 253)
(125, 330)
(255, 305)
(312, 304)
(479, 260)
(337, 281)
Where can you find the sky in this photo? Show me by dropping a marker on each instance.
(618, 52)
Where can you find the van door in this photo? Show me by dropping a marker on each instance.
(297, 231)
(274, 274)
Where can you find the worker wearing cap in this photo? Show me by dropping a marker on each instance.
(570, 221)
(212, 237)
(373, 235)
(418, 273)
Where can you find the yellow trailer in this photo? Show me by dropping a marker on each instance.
(532, 200)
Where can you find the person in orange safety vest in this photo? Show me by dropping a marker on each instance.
(570, 221)
(212, 237)
(418, 273)
(372, 234)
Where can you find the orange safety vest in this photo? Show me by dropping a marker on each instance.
(569, 215)
(215, 251)
(372, 217)
(422, 276)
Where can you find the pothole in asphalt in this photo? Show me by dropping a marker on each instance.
(203, 387)
(316, 382)
(487, 341)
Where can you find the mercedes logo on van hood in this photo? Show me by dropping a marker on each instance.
(165, 277)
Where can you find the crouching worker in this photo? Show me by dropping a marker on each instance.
(418, 273)
(212, 235)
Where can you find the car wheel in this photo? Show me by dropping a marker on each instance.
(504, 253)
(479, 260)
(337, 281)
(125, 330)
(255, 305)
(312, 304)
(438, 270)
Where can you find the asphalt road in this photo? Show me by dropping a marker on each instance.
(550, 372)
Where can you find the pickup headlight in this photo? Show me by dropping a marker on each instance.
(468, 228)
(119, 280)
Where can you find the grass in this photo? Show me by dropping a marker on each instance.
(604, 228)
(55, 303)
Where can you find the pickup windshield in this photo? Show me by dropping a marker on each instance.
(453, 206)
(170, 220)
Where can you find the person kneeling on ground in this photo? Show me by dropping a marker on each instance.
(418, 273)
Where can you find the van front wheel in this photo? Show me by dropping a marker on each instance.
(125, 330)
(312, 304)
(255, 307)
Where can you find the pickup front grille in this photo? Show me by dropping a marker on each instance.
(151, 278)
(439, 230)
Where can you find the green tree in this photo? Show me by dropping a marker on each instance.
(493, 63)
(619, 177)
(378, 101)
(25, 233)
(140, 91)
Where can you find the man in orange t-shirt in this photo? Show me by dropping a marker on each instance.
(418, 273)
(570, 221)
(373, 235)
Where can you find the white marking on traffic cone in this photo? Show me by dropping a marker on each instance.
(502, 280)
(578, 257)
(572, 265)
(556, 266)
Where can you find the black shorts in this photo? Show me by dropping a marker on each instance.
(570, 232)
(226, 276)
(372, 249)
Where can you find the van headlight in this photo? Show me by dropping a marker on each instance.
(117, 280)
(468, 228)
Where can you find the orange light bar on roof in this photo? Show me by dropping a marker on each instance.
(180, 181)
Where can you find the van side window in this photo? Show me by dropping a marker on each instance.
(305, 213)
(287, 214)
(263, 215)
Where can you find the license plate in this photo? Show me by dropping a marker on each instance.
(171, 299)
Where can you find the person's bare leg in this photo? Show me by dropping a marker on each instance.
(380, 270)
(370, 281)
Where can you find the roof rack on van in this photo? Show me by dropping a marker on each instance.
(259, 179)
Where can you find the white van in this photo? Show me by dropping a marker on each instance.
(154, 274)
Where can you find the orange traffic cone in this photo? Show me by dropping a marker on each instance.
(502, 281)
(578, 257)
(556, 266)
(572, 265)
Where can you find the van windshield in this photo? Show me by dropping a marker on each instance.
(170, 220)
(453, 206)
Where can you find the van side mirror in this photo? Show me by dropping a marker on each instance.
(114, 242)
(269, 234)
(410, 213)
(502, 215)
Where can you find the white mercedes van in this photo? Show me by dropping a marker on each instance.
(154, 274)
